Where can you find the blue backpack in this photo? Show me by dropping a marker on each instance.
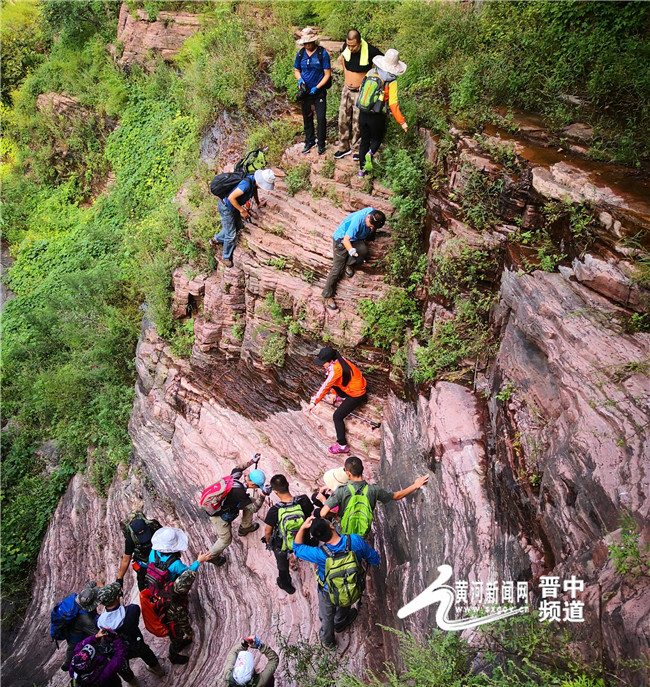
(62, 617)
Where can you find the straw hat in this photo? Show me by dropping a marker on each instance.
(308, 35)
(335, 478)
(169, 540)
(390, 62)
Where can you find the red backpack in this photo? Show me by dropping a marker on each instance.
(152, 620)
(213, 497)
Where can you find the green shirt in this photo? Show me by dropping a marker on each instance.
(342, 495)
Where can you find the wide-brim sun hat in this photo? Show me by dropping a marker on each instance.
(308, 35)
(335, 478)
(169, 540)
(390, 62)
(243, 669)
(265, 179)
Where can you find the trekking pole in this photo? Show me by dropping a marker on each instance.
(374, 425)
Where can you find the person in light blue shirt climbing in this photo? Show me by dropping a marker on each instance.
(349, 247)
(168, 543)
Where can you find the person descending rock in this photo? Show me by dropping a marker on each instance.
(74, 619)
(346, 383)
(234, 498)
(378, 88)
(282, 521)
(97, 661)
(341, 577)
(356, 58)
(313, 70)
(233, 209)
(240, 665)
(165, 564)
(124, 621)
(357, 499)
(138, 530)
(349, 247)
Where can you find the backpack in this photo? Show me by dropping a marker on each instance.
(225, 183)
(141, 551)
(319, 50)
(251, 162)
(371, 93)
(157, 575)
(62, 617)
(253, 682)
(152, 620)
(213, 497)
(290, 519)
(357, 517)
(344, 576)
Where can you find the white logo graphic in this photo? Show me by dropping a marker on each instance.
(444, 595)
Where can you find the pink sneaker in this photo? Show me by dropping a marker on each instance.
(338, 399)
(338, 449)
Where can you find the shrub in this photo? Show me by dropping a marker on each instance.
(297, 178)
(388, 319)
(272, 352)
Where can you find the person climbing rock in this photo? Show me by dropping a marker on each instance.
(313, 70)
(356, 58)
(165, 564)
(356, 499)
(233, 209)
(341, 577)
(378, 88)
(137, 530)
(349, 247)
(282, 521)
(240, 664)
(74, 619)
(333, 480)
(124, 621)
(236, 500)
(97, 660)
(346, 383)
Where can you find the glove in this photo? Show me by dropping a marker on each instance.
(120, 582)
(266, 490)
(301, 81)
(313, 90)
(353, 253)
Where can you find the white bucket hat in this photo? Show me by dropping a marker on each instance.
(243, 670)
(265, 179)
(169, 540)
(335, 478)
(111, 620)
(308, 35)
(390, 62)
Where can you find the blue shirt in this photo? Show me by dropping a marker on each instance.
(310, 68)
(314, 554)
(176, 568)
(354, 226)
(247, 185)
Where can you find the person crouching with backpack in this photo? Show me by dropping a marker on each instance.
(233, 209)
(240, 665)
(341, 577)
(74, 619)
(282, 522)
(378, 88)
(97, 661)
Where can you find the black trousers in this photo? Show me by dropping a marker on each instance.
(140, 574)
(372, 128)
(282, 560)
(139, 650)
(315, 105)
(350, 403)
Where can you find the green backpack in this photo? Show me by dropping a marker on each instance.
(357, 517)
(371, 93)
(290, 519)
(344, 575)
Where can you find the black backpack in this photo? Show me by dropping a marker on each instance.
(224, 184)
(319, 50)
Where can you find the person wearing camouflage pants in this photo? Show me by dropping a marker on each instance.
(171, 607)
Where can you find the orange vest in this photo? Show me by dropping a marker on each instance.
(356, 386)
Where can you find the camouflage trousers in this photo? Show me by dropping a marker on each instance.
(177, 619)
(349, 136)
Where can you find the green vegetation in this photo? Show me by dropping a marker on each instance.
(273, 351)
(297, 178)
(388, 319)
(627, 556)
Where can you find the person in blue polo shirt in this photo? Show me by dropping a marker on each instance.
(333, 618)
(313, 69)
(350, 247)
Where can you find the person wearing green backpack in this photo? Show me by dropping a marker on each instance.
(282, 523)
(341, 576)
(357, 499)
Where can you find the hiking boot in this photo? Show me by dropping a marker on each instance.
(332, 646)
(368, 164)
(361, 174)
(331, 304)
(352, 616)
(213, 242)
(286, 586)
(321, 150)
(156, 670)
(133, 681)
(226, 263)
(178, 659)
(355, 157)
(243, 531)
(338, 399)
(308, 147)
(341, 153)
(337, 448)
(349, 271)
(218, 561)
(65, 667)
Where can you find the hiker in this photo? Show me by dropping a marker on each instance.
(347, 384)
(236, 499)
(233, 209)
(74, 619)
(97, 660)
(240, 664)
(282, 521)
(313, 70)
(349, 247)
(333, 479)
(356, 57)
(343, 556)
(165, 558)
(124, 621)
(138, 531)
(379, 88)
(356, 499)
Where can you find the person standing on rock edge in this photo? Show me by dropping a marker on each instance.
(313, 70)
(282, 521)
(349, 247)
(138, 531)
(233, 209)
(372, 122)
(237, 500)
(356, 58)
(240, 664)
(347, 384)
